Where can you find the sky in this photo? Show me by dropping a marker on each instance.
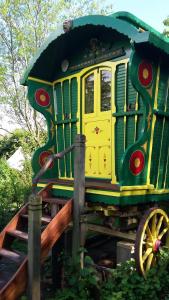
(152, 12)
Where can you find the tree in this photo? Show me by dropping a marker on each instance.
(24, 25)
(166, 23)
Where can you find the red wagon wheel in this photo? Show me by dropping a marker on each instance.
(152, 234)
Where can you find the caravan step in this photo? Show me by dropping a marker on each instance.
(58, 201)
(16, 257)
(18, 234)
(45, 219)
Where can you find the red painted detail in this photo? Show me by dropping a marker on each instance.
(145, 73)
(137, 162)
(43, 157)
(42, 97)
(97, 129)
(157, 246)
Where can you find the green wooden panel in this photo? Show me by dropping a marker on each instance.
(74, 102)
(164, 151)
(167, 154)
(61, 148)
(119, 145)
(73, 134)
(74, 108)
(130, 131)
(156, 150)
(140, 118)
(66, 99)
(160, 140)
(131, 104)
(67, 144)
(163, 106)
(67, 105)
(167, 170)
(120, 98)
(120, 87)
(59, 101)
(67, 116)
(162, 90)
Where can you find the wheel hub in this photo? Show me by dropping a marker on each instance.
(156, 246)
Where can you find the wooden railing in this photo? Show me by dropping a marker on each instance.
(35, 213)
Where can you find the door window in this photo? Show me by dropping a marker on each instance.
(89, 94)
(105, 78)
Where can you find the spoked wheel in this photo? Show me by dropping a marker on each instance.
(152, 234)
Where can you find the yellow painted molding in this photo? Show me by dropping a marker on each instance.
(137, 187)
(40, 81)
(153, 126)
(118, 194)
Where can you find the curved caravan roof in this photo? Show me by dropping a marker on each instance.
(59, 43)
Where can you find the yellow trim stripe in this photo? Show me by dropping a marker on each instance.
(40, 81)
(137, 187)
(57, 187)
(65, 78)
(110, 193)
(153, 126)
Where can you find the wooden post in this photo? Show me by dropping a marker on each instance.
(34, 246)
(79, 191)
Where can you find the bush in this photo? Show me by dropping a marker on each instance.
(123, 284)
(14, 187)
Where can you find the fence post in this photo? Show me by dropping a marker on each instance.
(34, 246)
(79, 191)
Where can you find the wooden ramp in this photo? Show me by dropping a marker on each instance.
(13, 263)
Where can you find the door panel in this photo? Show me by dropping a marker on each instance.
(96, 117)
(91, 161)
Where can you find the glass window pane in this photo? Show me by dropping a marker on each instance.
(89, 94)
(105, 90)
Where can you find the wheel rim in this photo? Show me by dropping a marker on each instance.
(151, 236)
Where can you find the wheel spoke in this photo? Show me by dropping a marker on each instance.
(148, 244)
(149, 233)
(146, 254)
(162, 233)
(159, 225)
(149, 262)
(154, 223)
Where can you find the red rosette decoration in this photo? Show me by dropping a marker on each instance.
(137, 162)
(42, 97)
(43, 157)
(145, 73)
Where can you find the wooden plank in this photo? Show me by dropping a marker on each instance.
(111, 232)
(34, 246)
(17, 284)
(44, 219)
(79, 193)
(18, 234)
(12, 255)
(54, 230)
(12, 224)
(57, 201)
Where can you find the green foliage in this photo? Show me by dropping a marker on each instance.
(124, 283)
(24, 25)
(166, 30)
(80, 283)
(10, 143)
(14, 186)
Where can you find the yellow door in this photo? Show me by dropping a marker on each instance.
(96, 120)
